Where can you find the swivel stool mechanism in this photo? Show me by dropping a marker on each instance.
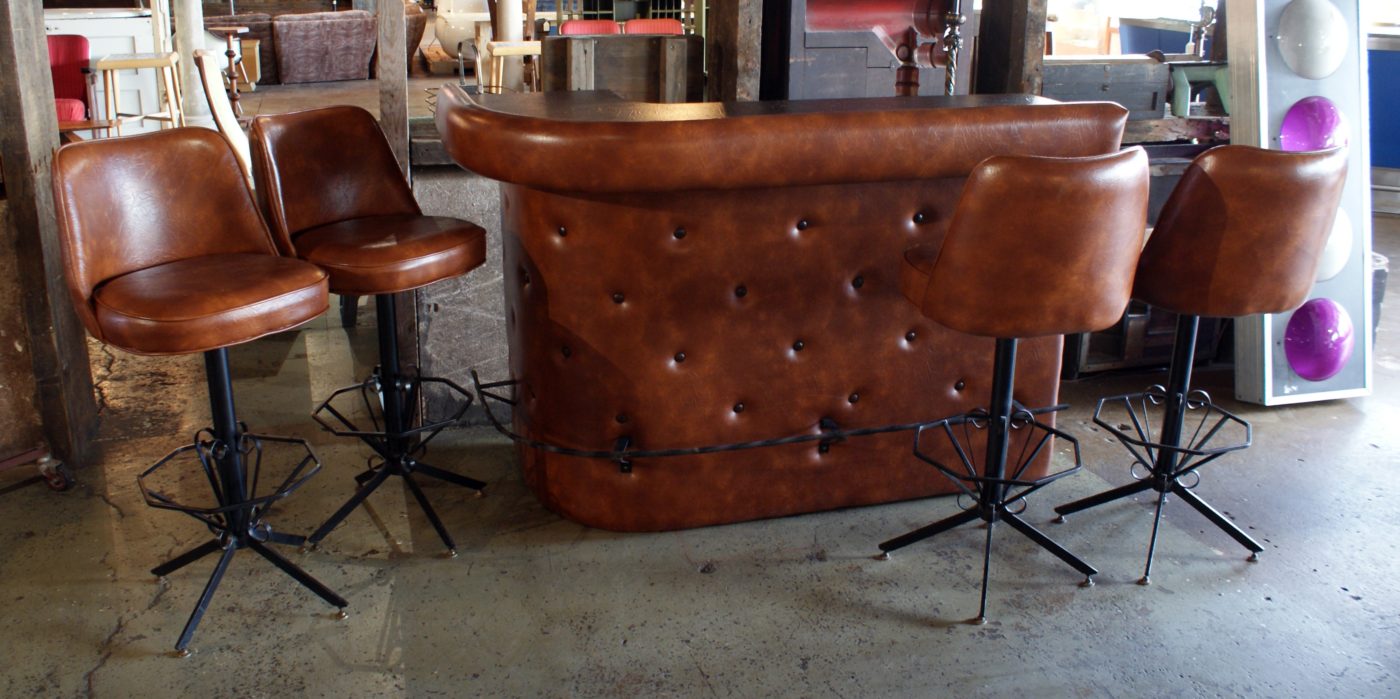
(1268, 212)
(350, 211)
(144, 281)
(1057, 283)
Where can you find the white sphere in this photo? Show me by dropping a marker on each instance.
(1338, 249)
(1312, 37)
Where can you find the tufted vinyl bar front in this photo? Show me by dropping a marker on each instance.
(691, 275)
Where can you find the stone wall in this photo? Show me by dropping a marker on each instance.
(461, 322)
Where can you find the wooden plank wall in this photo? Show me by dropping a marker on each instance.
(57, 341)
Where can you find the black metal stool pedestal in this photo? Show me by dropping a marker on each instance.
(223, 452)
(995, 492)
(394, 392)
(1174, 458)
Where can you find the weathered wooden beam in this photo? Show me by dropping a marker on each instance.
(1010, 46)
(392, 73)
(28, 137)
(733, 48)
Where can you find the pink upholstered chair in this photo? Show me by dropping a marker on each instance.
(653, 26)
(577, 27)
(72, 86)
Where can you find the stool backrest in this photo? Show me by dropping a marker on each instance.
(127, 204)
(1041, 246)
(322, 166)
(1243, 232)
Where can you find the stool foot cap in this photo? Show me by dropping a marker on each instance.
(450, 553)
(1253, 557)
(1059, 520)
(1144, 581)
(479, 494)
(1088, 581)
(882, 556)
(181, 653)
(977, 621)
(342, 615)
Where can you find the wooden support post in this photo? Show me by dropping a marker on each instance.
(1010, 47)
(57, 341)
(671, 73)
(580, 68)
(392, 73)
(733, 50)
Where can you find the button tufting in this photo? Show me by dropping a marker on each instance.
(738, 407)
(680, 233)
(858, 282)
(920, 217)
(797, 346)
(618, 297)
(680, 357)
(741, 291)
(960, 385)
(563, 231)
(909, 336)
(621, 417)
(854, 398)
(802, 225)
(567, 352)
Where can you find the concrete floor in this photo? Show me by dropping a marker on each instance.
(538, 606)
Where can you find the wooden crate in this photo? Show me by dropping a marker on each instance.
(1138, 83)
(642, 67)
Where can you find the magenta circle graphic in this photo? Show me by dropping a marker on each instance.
(1313, 123)
(1319, 339)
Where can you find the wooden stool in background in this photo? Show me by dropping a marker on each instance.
(168, 83)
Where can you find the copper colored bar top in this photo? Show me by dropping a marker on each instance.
(596, 142)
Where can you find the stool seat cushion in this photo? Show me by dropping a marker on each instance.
(207, 302)
(389, 254)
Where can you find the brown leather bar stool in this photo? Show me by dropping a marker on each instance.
(1037, 246)
(193, 269)
(1242, 233)
(334, 195)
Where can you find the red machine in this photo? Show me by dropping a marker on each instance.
(919, 33)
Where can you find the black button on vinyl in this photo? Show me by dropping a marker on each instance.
(854, 398)
(680, 356)
(563, 231)
(741, 291)
(909, 336)
(920, 217)
(858, 282)
(803, 225)
(960, 385)
(797, 346)
(680, 233)
(618, 297)
(738, 407)
(621, 417)
(567, 352)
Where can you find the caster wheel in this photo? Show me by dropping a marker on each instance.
(57, 475)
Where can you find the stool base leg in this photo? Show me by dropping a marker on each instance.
(228, 548)
(204, 599)
(1102, 498)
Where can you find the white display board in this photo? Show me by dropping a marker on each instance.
(1282, 60)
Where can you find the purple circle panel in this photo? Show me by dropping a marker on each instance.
(1319, 339)
(1313, 123)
